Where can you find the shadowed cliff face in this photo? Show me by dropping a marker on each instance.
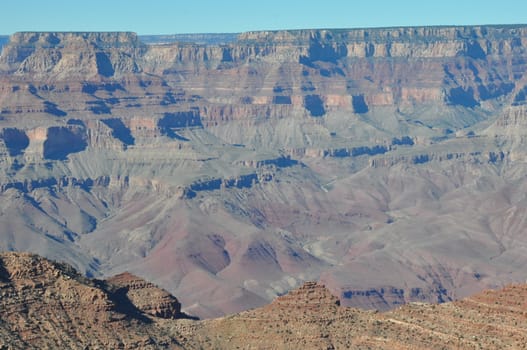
(15, 140)
(390, 163)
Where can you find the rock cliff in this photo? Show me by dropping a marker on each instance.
(47, 304)
(387, 162)
(310, 318)
(147, 297)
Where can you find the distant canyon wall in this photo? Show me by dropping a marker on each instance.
(318, 69)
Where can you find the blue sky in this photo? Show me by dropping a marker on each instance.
(228, 16)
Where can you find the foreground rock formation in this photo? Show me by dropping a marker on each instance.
(311, 318)
(147, 297)
(49, 305)
(387, 163)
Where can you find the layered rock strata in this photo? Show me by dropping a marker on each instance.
(388, 163)
(148, 298)
(49, 305)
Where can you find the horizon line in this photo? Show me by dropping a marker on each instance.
(274, 30)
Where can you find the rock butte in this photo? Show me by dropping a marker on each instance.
(387, 163)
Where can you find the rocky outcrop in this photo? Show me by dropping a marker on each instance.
(146, 297)
(311, 297)
(47, 304)
(309, 317)
(67, 55)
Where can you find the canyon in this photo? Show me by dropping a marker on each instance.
(389, 164)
